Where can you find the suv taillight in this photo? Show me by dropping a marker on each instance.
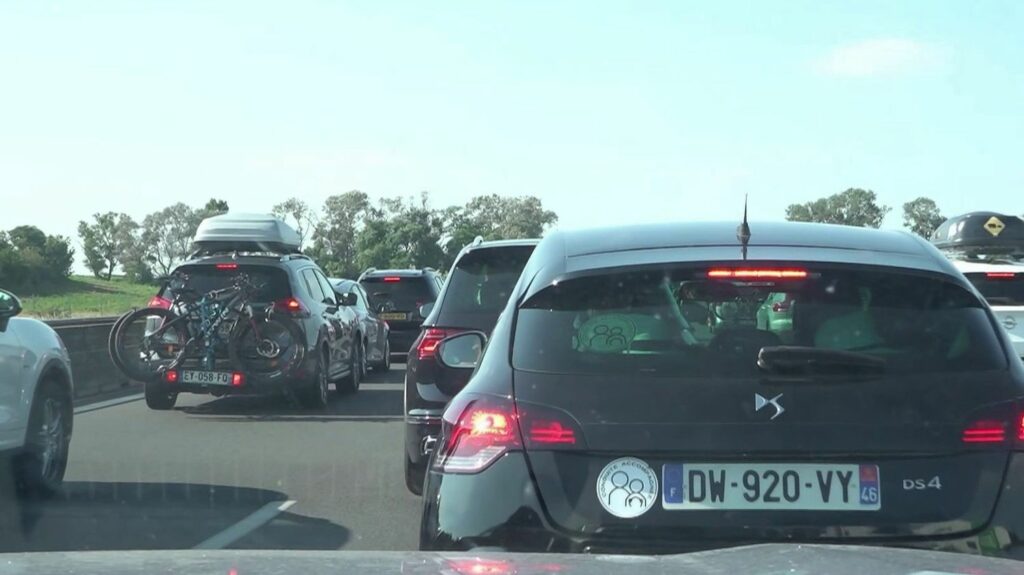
(994, 428)
(291, 306)
(157, 301)
(426, 345)
(479, 429)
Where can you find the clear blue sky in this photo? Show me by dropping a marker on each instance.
(608, 111)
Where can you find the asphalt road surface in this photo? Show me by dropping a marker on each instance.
(236, 472)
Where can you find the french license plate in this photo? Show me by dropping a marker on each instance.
(777, 486)
(393, 316)
(206, 377)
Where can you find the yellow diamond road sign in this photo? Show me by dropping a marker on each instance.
(994, 226)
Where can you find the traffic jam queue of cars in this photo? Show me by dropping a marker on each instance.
(650, 388)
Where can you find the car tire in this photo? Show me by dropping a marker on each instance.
(44, 458)
(384, 365)
(314, 394)
(415, 475)
(158, 398)
(350, 383)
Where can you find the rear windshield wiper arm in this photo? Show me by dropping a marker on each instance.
(795, 359)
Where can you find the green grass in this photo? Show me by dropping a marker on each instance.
(83, 296)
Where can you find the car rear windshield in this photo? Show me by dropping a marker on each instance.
(398, 293)
(691, 322)
(1000, 288)
(481, 282)
(205, 278)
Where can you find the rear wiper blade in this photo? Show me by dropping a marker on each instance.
(796, 359)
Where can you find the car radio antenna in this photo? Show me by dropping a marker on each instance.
(743, 230)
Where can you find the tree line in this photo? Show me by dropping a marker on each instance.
(348, 234)
(857, 207)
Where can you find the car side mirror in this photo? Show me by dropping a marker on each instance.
(425, 309)
(347, 299)
(10, 306)
(462, 351)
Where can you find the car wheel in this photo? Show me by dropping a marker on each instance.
(384, 365)
(350, 383)
(364, 367)
(158, 398)
(42, 464)
(314, 395)
(414, 476)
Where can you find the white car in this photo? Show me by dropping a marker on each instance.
(1002, 285)
(36, 409)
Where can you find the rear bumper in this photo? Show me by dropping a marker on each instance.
(498, 509)
(251, 384)
(401, 340)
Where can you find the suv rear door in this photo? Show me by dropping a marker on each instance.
(397, 298)
(663, 366)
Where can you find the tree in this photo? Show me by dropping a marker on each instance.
(214, 207)
(334, 237)
(922, 216)
(166, 238)
(299, 214)
(854, 207)
(105, 241)
(32, 261)
(402, 234)
(495, 217)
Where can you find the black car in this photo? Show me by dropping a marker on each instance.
(373, 331)
(295, 286)
(627, 400)
(397, 296)
(475, 292)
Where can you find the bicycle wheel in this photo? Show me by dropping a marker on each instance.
(147, 341)
(266, 347)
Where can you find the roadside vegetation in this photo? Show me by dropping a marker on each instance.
(81, 296)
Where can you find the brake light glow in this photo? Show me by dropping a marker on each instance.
(157, 301)
(171, 376)
(1020, 427)
(237, 379)
(227, 266)
(427, 346)
(757, 273)
(551, 433)
(291, 306)
(392, 279)
(477, 566)
(986, 431)
(1000, 275)
(484, 431)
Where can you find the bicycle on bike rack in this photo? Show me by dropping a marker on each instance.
(196, 330)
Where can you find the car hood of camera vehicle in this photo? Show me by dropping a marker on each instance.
(753, 560)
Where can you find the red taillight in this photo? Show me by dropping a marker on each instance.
(486, 429)
(427, 346)
(227, 266)
(1000, 275)
(392, 279)
(157, 301)
(237, 379)
(290, 306)
(477, 566)
(551, 433)
(1020, 427)
(171, 376)
(757, 273)
(985, 431)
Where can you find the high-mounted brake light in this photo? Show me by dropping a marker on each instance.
(757, 273)
(392, 279)
(1000, 275)
(157, 301)
(227, 266)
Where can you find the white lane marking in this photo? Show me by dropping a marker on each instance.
(247, 525)
(108, 403)
(382, 386)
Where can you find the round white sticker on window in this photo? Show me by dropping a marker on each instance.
(627, 487)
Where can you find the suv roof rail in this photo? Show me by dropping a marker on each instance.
(288, 257)
(478, 240)
(208, 251)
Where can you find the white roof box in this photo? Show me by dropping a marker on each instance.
(233, 232)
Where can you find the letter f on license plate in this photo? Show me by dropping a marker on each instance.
(792, 486)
